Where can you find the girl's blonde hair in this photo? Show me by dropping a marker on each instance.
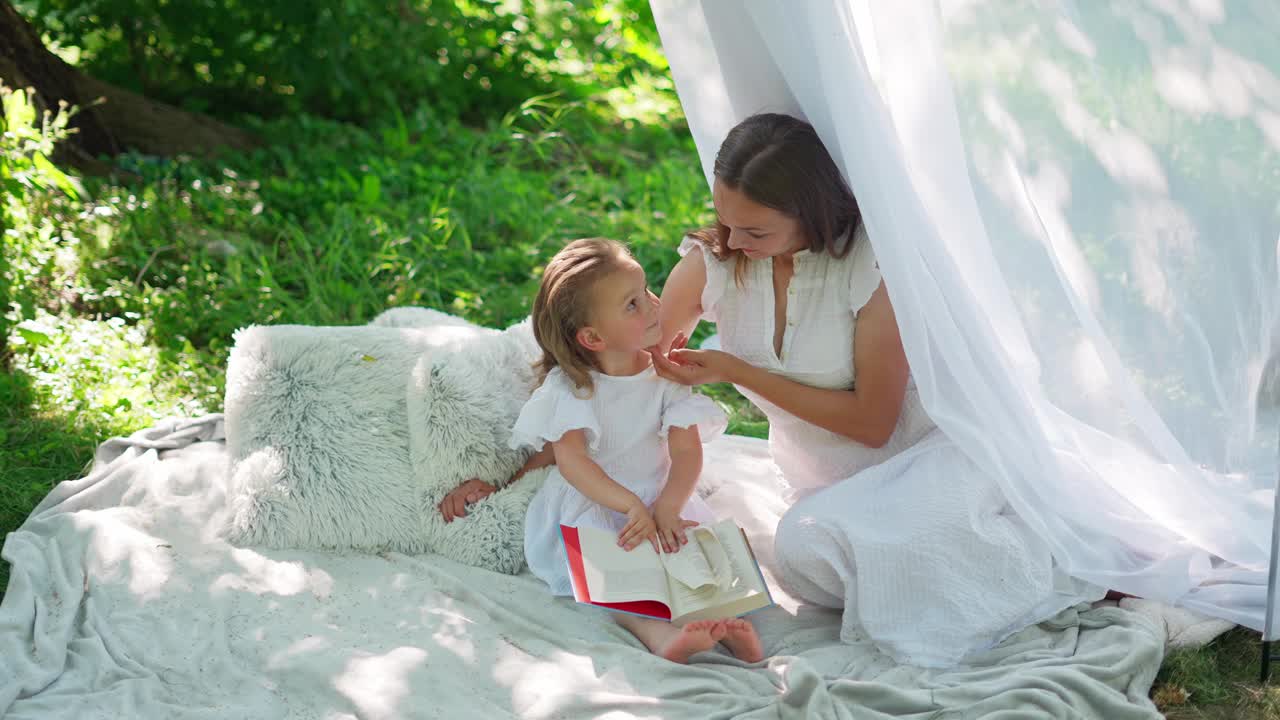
(564, 302)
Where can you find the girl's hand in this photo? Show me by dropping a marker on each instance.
(679, 342)
(671, 527)
(693, 367)
(454, 505)
(640, 527)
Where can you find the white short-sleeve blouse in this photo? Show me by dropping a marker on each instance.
(823, 300)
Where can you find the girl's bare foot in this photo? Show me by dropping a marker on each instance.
(741, 639)
(693, 638)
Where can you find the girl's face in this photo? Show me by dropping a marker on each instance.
(758, 231)
(624, 313)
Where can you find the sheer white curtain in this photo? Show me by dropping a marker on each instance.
(1076, 210)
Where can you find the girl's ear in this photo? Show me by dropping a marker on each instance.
(588, 338)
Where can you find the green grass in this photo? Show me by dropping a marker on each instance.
(36, 451)
(1217, 682)
(124, 299)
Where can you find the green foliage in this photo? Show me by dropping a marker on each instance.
(339, 222)
(350, 59)
(35, 192)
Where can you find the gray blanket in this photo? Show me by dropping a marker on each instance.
(125, 601)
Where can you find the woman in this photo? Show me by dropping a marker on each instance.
(891, 521)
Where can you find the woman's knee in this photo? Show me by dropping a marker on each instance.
(804, 562)
(788, 538)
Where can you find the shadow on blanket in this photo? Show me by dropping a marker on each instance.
(127, 602)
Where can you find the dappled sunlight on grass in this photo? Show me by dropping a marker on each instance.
(649, 100)
(106, 372)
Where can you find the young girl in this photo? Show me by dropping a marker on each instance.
(627, 445)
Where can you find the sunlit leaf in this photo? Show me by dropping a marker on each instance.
(34, 333)
(67, 184)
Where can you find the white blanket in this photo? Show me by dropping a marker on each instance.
(125, 602)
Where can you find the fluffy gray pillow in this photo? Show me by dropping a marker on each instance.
(319, 437)
(462, 401)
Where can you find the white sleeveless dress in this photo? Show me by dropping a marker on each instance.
(915, 543)
(626, 420)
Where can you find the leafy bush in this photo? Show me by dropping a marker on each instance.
(35, 195)
(352, 59)
(332, 223)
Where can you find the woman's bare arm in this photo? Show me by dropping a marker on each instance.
(682, 298)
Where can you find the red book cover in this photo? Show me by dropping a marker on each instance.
(578, 576)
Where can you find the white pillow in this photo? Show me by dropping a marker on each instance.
(462, 401)
(319, 433)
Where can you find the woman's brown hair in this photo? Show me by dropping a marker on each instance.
(779, 162)
(563, 305)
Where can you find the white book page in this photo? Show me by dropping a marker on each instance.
(743, 572)
(737, 575)
(690, 565)
(717, 557)
(615, 575)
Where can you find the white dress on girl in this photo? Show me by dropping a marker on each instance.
(916, 543)
(626, 420)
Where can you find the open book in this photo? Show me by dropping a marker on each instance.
(714, 576)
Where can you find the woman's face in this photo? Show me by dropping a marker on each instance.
(758, 231)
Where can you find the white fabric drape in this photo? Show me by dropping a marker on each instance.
(1074, 207)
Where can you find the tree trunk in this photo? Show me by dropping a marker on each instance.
(110, 119)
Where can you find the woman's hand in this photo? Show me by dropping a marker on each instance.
(693, 367)
(640, 527)
(454, 505)
(671, 526)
